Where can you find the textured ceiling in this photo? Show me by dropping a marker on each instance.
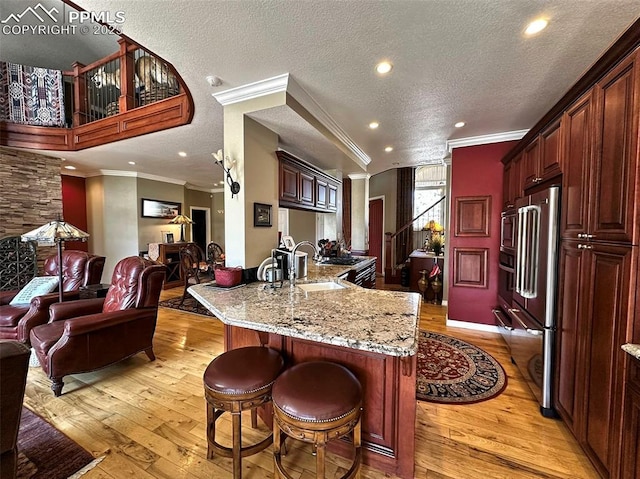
(453, 60)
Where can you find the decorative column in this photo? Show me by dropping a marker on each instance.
(360, 211)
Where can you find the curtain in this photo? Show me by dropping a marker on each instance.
(346, 211)
(32, 95)
(404, 213)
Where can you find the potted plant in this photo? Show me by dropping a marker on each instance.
(436, 244)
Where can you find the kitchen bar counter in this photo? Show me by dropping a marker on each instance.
(373, 333)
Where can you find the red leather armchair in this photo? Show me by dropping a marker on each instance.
(90, 334)
(78, 269)
(14, 364)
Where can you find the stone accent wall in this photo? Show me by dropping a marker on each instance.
(30, 192)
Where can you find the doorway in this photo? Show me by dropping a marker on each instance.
(376, 225)
(200, 229)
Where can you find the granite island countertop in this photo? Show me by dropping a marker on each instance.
(384, 322)
(632, 349)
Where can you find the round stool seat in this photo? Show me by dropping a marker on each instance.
(239, 380)
(317, 391)
(317, 402)
(243, 370)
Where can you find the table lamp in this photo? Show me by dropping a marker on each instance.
(56, 232)
(181, 220)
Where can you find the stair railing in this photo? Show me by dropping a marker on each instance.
(391, 245)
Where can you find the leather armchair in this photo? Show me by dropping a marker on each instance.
(14, 364)
(90, 334)
(78, 269)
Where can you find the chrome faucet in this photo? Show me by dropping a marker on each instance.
(292, 257)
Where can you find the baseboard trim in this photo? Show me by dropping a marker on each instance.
(454, 323)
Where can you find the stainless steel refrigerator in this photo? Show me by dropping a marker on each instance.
(533, 308)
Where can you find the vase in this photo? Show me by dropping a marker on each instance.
(423, 282)
(436, 286)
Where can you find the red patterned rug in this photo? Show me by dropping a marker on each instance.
(46, 453)
(452, 371)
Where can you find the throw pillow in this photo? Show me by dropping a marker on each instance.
(36, 287)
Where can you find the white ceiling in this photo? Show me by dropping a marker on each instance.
(464, 60)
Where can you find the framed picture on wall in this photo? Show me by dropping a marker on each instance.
(160, 209)
(261, 214)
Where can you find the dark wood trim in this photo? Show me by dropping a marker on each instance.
(285, 155)
(623, 46)
(158, 116)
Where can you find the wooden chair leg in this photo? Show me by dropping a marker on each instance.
(237, 445)
(150, 355)
(254, 418)
(211, 430)
(320, 457)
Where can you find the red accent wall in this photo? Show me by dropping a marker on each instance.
(476, 171)
(74, 207)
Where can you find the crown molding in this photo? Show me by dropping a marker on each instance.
(203, 189)
(312, 106)
(285, 83)
(252, 90)
(485, 139)
(359, 176)
(135, 174)
(76, 173)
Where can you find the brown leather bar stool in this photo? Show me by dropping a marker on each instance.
(316, 402)
(239, 380)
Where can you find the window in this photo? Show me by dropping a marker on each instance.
(430, 187)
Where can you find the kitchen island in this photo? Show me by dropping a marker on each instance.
(373, 333)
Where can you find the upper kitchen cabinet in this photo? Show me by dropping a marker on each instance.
(600, 149)
(614, 184)
(304, 187)
(541, 158)
(578, 125)
(512, 187)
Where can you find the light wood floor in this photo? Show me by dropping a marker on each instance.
(148, 418)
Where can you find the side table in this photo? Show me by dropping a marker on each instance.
(94, 291)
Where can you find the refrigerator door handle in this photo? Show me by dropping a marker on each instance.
(520, 253)
(531, 249)
(533, 332)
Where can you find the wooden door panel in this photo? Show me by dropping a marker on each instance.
(332, 203)
(615, 155)
(578, 127)
(550, 151)
(631, 431)
(530, 161)
(321, 193)
(606, 295)
(569, 382)
(289, 181)
(307, 188)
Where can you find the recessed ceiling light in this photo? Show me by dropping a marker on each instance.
(384, 67)
(132, 162)
(460, 124)
(373, 125)
(182, 154)
(70, 167)
(388, 149)
(536, 26)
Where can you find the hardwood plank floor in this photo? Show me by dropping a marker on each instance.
(148, 418)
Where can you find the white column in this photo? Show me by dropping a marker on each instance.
(360, 211)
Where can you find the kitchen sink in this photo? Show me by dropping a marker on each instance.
(326, 286)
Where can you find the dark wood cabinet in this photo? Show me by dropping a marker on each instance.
(289, 183)
(307, 188)
(304, 187)
(614, 184)
(169, 255)
(550, 152)
(530, 164)
(630, 467)
(512, 187)
(578, 124)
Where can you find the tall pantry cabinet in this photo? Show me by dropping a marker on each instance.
(598, 275)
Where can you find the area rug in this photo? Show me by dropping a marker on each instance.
(46, 453)
(190, 305)
(452, 371)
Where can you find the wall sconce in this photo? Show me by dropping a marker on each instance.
(234, 185)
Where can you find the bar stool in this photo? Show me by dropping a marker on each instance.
(316, 402)
(239, 380)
